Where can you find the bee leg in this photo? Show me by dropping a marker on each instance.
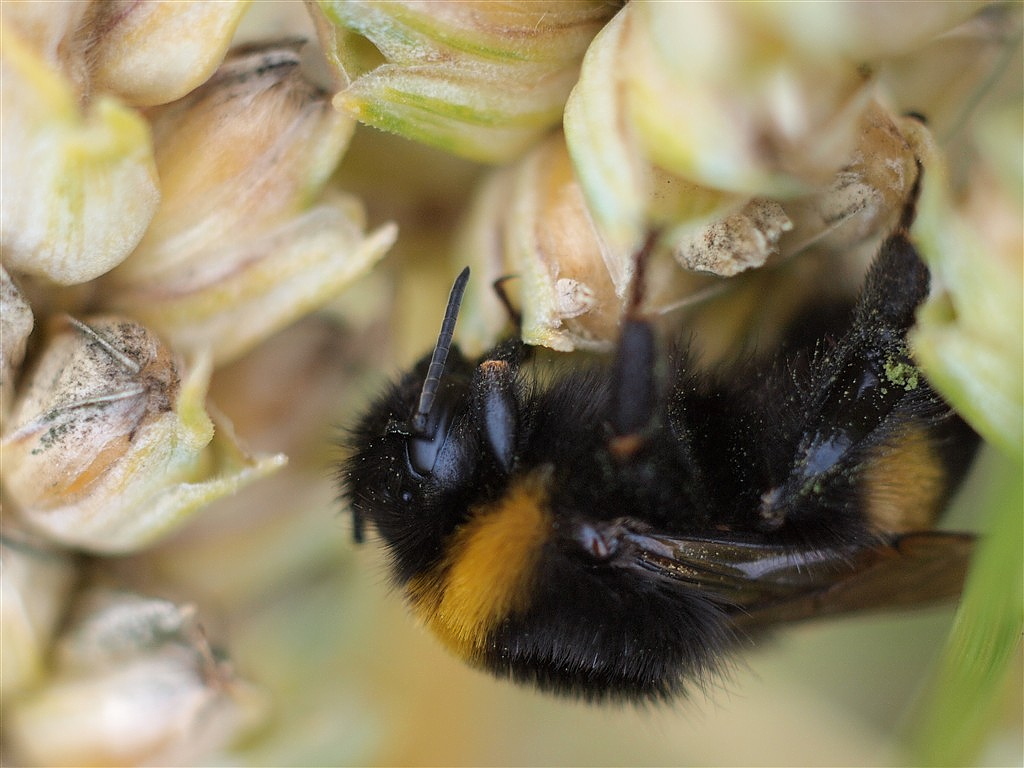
(894, 287)
(898, 279)
(494, 399)
(499, 289)
(871, 405)
(634, 387)
(633, 402)
(864, 383)
(493, 386)
(513, 349)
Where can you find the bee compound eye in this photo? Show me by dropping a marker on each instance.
(446, 456)
(424, 446)
(422, 453)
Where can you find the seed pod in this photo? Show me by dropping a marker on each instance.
(970, 332)
(33, 594)
(85, 181)
(243, 242)
(135, 682)
(480, 79)
(109, 447)
(16, 323)
(155, 52)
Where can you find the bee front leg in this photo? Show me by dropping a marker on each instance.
(634, 387)
(495, 399)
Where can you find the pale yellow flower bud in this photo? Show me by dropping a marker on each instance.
(108, 447)
(145, 53)
(626, 193)
(612, 171)
(531, 221)
(762, 98)
(481, 79)
(685, 111)
(851, 30)
(79, 185)
(15, 326)
(154, 52)
(241, 244)
(135, 682)
(970, 333)
(948, 76)
(34, 587)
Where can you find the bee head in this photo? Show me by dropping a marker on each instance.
(421, 452)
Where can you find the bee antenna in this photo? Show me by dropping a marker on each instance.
(440, 355)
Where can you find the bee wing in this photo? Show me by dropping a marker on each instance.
(764, 584)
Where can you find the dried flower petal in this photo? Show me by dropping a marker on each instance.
(135, 683)
(737, 242)
(154, 52)
(864, 200)
(238, 249)
(481, 79)
(108, 448)
(80, 187)
(530, 221)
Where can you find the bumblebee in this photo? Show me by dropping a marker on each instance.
(615, 530)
